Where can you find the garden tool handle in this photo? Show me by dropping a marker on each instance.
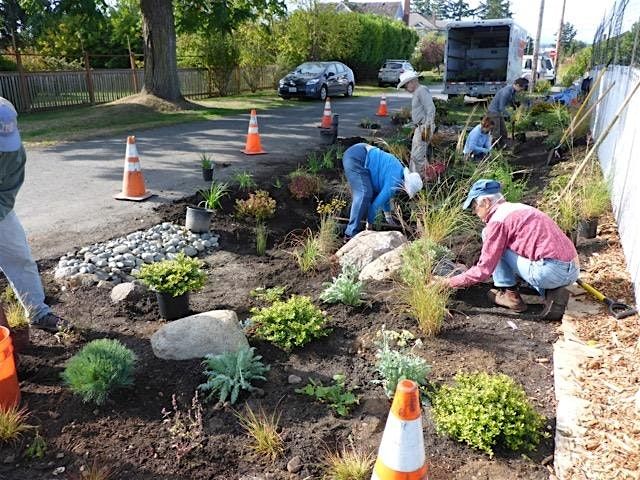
(593, 291)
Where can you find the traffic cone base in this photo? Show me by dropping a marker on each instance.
(132, 179)
(382, 109)
(326, 114)
(253, 145)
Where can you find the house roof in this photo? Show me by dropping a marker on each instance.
(387, 9)
(420, 22)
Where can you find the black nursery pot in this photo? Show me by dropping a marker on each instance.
(588, 228)
(207, 174)
(172, 308)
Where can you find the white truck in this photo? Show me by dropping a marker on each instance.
(482, 56)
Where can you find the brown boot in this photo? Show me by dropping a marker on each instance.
(507, 298)
(555, 303)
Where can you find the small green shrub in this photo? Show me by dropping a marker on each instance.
(259, 205)
(212, 198)
(176, 277)
(269, 295)
(485, 411)
(339, 398)
(100, 367)
(304, 185)
(291, 323)
(396, 360)
(542, 86)
(231, 372)
(499, 169)
(328, 162)
(345, 288)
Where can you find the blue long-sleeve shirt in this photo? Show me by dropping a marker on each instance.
(387, 174)
(503, 98)
(477, 142)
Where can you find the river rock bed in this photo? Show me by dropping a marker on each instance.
(119, 259)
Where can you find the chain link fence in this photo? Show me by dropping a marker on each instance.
(617, 37)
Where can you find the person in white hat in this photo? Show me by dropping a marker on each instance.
(374, 176)
(423, 114)
(15, 256)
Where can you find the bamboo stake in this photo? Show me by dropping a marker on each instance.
(594, 87)
(604, 134)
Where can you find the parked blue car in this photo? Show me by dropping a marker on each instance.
(318, 80)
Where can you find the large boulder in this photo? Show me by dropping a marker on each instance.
(367, 246)
(214, 332)
(385, 266)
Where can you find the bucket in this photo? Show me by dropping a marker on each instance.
(329, 136)
(172, 308)
(9, 389)
(588, 228)
(198, 219)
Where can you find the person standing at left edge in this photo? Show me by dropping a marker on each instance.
(15, 256)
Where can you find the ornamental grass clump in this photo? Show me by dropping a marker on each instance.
(345, 288)
(212, 197)
(291, 323)
(100, 367)
(175, 277)
(485, 411)
(263, 430)
(13, 423)
(307, 250)
(348, 464)
(230, 373)
(328, 233)
(259, 206)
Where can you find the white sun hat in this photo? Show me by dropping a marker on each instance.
(412, 182)
(406, 77)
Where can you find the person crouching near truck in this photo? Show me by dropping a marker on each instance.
(374, 177)
(497, 110)
(423, 114)
(478, 143)
(519, 241)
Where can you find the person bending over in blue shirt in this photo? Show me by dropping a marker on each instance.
(497, 110)
(374, 176)
(478, 142)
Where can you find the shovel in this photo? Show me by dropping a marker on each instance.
(616, 309)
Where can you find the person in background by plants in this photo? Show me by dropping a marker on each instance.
(497, 110)
(374, 176)
(15, 256)
(478, 142)
(423, 114)
(519, 241)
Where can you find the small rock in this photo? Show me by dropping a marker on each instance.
(147, 257)
(59, 455)
(104, 284)
(190, 251)
(9, 458)
(293, 379)
(101, 263)
(126, 291)
(120, 249)
(294, 465)
(120, 264)
(65, 272)
(58, 471)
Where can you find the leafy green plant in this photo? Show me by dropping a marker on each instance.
(101, 366)
(13, 423)
(262, 429)
(304, 185)
(259, 205)
(345, 288)
(327, 162)
(186, 428)
(229, 373)
(340, 398)
(175, 277)
(291, 323)
(245, 181)
(419, 256)
(212, 198)
(497, 168)
(262, 235)
(37, 447)
(277, 183)
(348, 464)
(542, 86)
(269, 295)
(205, 161)
(369, 124)
(314, 163)
(484, 410)
(397, 360)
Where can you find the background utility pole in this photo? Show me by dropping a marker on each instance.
(536, 50)
(558, 42)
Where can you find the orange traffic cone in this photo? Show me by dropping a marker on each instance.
(326, 115)
(132, 180)
(382, 109)
(401, 453)
(253, 146)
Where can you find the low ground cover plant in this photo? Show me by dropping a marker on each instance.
(101, 366)
(230, 373)
(259, 206)
(345, 288)
(397, 360)
(186, 427)
(269, 295)
(263, 430)
(486, 410)
(340, 398)
(304, 185)
(212, 197)
(291, 323)
(37, 448)
(175, 277)
(13, 423)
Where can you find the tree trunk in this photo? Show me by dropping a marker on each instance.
(160, 63)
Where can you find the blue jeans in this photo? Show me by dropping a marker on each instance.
(359, 180)
(19, 268)
(541, 274)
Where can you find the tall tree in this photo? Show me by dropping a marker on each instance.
(495, 9)
(423, 7)
(567, 37)
(12, 18)
(457, 10)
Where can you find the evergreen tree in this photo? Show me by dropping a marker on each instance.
(567, 38)
(457, 10)
(423, 7)
(495, 9)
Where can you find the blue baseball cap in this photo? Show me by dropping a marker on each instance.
(480, 188)
(9, 134)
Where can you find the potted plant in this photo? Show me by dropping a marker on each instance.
(172, 280)
(207, 167)
(594, 202)
(198, 218)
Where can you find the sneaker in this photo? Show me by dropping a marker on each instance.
(51, 323)
(507, 298)
(555, 303)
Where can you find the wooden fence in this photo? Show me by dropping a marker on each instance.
(33, 91)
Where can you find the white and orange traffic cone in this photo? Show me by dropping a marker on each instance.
(132, 180)
(253, 146)
(326, 114)
(401, 453)
(382, 109)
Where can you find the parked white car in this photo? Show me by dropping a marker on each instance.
(546, 70)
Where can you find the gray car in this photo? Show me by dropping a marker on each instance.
(389, 73)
